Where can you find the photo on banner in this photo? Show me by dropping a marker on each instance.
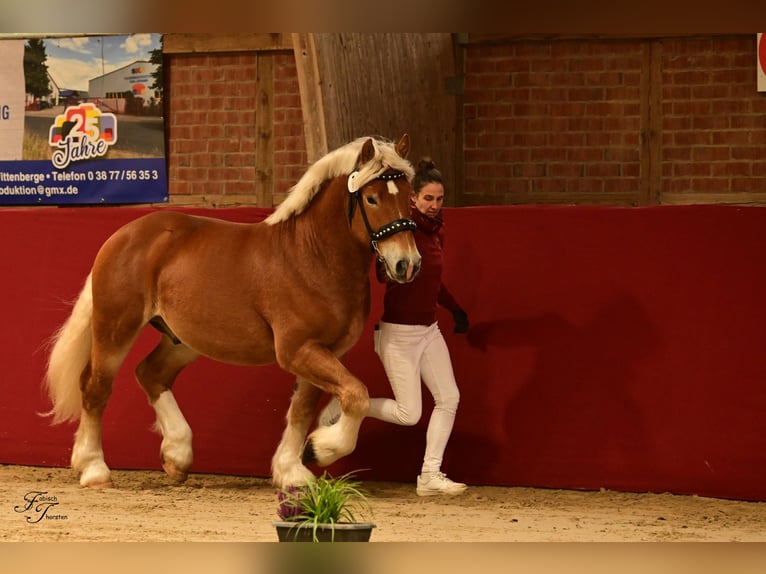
(81, 120)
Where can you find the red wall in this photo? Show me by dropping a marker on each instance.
(610, 347)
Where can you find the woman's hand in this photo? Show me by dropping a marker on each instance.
(461, 321)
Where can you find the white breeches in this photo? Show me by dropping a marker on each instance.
(411, 353)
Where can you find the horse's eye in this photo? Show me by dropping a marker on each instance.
(371, 200)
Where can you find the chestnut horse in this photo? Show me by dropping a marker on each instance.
(292, 290)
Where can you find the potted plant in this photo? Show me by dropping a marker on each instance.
(325, 510)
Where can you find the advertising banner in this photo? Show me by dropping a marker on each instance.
(11, 99)
(81, 121)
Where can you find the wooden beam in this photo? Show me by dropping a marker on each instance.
(264, 123)
(505, 38)
(309, 83)
(201, 43)
(724, 198)
(458, 159)
(651, 124)
(655, 122)
(201, 200)
(623, 199)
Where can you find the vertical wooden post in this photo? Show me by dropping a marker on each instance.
(656, 121)
(264, 122)
(651, 124)
(309, 83)
(458, 90)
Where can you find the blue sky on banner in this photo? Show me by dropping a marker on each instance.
(75, 60)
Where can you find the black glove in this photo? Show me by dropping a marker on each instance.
(461, 321)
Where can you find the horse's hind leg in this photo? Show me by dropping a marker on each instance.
(156, 374)
(96, 386)
(286, 466)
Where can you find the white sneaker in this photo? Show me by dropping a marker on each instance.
(438, 483)
(330, 414)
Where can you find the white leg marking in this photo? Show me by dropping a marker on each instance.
(176, 449)
(87, 453)
(286, 466)
(333, 442)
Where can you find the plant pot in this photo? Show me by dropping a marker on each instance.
(342, 532)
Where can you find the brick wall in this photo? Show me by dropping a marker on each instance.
(544, 120)
(714, 121)
(562, 122)
(290, 158)
(212, 106)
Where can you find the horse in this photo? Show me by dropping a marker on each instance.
(292, 289)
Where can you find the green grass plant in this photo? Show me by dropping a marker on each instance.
(324, 501)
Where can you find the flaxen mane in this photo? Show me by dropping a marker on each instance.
(341, 161)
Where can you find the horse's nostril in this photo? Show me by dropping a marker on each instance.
(407, 269)
(401, 267)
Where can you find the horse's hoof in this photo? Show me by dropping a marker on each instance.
(176, 475)
(309, 456)
(97, 478)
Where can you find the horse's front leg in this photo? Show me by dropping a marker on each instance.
(322, 368)
(286, 466)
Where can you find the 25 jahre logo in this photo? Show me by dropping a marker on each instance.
(39, 505)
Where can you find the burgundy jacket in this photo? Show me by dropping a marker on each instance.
(415, 303)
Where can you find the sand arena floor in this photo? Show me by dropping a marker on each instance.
(144, 506)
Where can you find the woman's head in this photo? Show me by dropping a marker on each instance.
(428, 186)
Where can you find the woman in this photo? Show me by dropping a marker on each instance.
(410, 344)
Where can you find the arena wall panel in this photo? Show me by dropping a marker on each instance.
(617, 348)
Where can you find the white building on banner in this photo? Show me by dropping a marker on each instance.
(110, 90)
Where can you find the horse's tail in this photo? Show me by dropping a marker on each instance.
(69, 356)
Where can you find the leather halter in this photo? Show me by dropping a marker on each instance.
(391, 228)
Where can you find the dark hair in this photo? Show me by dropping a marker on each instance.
(426, 173)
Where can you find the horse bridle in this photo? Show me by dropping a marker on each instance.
(391, 228)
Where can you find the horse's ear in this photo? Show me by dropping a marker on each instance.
(403, 147)
(367, 152)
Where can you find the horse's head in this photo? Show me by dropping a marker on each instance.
(379, 192)
(379, 205)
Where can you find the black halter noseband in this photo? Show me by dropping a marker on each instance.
(396, 226)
